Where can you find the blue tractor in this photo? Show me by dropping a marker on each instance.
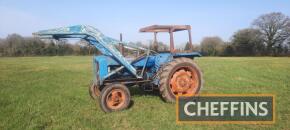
(172, 73)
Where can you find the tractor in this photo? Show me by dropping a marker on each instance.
(172, 73)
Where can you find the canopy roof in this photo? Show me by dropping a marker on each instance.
(165, 28)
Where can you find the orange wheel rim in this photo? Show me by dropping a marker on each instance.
(115, 99)
(184, 81)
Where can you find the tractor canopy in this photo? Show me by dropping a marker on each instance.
(167, 29)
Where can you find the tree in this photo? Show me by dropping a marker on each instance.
(14, 44)
(33, 46)
(275, 28)
(247, 42)
(211, 46)
(228, 50)
(160, 46)
(2, 47)
(51, 49)
(188, 47)
(64, 48)
(195, 47)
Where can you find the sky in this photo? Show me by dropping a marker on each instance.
(207, 17)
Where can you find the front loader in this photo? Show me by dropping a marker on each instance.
(172, 73)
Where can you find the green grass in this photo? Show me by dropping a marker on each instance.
(52, 93)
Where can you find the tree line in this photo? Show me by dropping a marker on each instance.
(16, 45)
(268, 35)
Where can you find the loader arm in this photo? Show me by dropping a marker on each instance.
(103, 43)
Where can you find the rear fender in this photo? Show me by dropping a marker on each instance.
(187, 55)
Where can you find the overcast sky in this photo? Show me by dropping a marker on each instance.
(207, 17)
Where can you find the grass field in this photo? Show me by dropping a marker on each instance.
(52, 93)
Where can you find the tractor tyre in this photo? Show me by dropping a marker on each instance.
(114, 97)
(179, 77)
(94, 91)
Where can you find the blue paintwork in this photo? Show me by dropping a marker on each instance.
(190, 55)
(104, 62)
(111, 57)
(141, 62)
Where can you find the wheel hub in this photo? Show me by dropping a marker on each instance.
(183, 82)
(115, 99)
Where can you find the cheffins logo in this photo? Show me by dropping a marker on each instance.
(226, 108)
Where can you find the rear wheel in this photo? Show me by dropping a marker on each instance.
(114, 97)
(178, 78)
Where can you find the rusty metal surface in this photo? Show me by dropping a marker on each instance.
(165, 28)
(115, 99)
(170, 29)
(184, 81)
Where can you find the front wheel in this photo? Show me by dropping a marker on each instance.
(114, 97)
(178, 78)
